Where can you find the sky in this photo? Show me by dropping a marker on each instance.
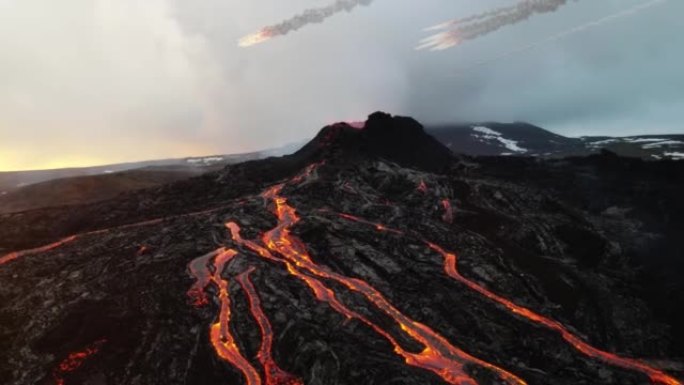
(87, 82)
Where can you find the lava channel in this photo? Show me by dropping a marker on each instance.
(221, 338)
(656, 376)
(18, 254)
(273, 374)
(74, 361)
(438, 355)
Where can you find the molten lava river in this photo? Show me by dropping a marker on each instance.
(279, 246)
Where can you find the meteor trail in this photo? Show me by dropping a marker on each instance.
(458, 30)
(309, 16)
(580, 28)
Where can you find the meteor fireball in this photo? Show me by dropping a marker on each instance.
(256, 38)
(309, 16)
(471, 27)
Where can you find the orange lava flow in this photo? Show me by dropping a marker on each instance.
(18, 254)
(74, 361)
(656, 376)
(451, 268)
(274, 375)
(438, 355)
(199, 270)
(221, 338)
(378, 226)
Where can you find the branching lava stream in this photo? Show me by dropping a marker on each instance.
(451, 268)
(273, 374)
(219, 332)
(438, 355)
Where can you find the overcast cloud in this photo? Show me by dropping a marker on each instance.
(98, 81)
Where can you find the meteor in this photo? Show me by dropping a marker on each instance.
(459, 30)
(580, 28)
(309, 16)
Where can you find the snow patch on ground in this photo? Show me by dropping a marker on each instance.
(207, 160)
(675, 155)
(485, 133)
(643, 140)
(602, 143)
(660, 144)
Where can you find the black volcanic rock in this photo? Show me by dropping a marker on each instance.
(398, 139)
(562, 238)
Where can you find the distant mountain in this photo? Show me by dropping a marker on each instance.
(26, 190)
(525, 139)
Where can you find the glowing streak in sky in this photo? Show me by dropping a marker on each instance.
(562, 35)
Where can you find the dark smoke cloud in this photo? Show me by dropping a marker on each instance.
(472, 27)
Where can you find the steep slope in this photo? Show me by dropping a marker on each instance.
(369, 256)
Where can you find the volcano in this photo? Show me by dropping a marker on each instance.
(372, 255)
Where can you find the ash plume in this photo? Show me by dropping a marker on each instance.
(458, 30)
(309, 16)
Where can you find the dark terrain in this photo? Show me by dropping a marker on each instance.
(524, 139)
(92, 188)
(402, 264)
(28, 190)
(33, 189)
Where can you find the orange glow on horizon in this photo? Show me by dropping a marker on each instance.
(38, 157)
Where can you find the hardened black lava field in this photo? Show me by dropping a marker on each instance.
(371, 256)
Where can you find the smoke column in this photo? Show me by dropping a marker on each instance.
(472, 27)
(580, 28)
(309, 16)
